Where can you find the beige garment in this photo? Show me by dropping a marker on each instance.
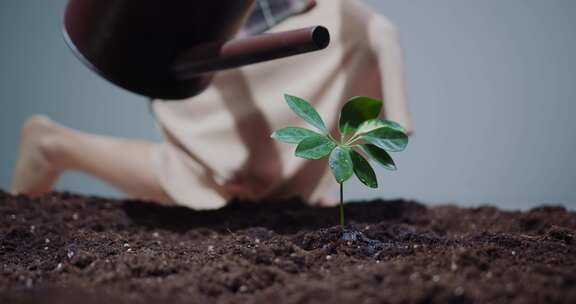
(218, 144)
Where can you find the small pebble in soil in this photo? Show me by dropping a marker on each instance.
(414, 276)
(458, 291)
(489, 275)
(156, 234)
(47, 241)
(513, 252)
(210, 248)
(129, 250)
(75, 216)
(46, 248)
(126, 245)
(243, 289)
(453, 267)
(510, 287)
(436, 278)
(70, 254)
(13, 216)
(257, 241)
(328, 257)
(32, 229)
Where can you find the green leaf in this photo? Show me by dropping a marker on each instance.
(393, 125)
(363, 170)
(389, 139)
(373, 124)
(315, 147)
(341, 164)
(303, 109)
(380, 156)
(292, 135)
(356, 111)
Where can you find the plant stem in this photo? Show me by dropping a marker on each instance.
(332, 138)
(350, 140)
(342, 205)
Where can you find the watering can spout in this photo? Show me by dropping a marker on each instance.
(244, 51)
(170, 51)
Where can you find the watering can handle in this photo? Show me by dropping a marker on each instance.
(235, 53)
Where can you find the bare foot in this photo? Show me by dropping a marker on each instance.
(37, 168)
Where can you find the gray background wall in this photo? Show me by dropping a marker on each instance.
(492, 86)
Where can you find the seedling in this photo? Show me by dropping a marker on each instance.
(361, 135)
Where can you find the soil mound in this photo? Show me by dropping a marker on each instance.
(64, 248)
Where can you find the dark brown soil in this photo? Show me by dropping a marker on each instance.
(66, 248)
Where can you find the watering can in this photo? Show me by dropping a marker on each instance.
(171, 49)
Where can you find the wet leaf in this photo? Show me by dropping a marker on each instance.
(373, 124)
(293, 135)
(379, 155)
(356, 111)
(363, 170)
(315, 147)
(303, 109)
(389, 139)
(341, 164)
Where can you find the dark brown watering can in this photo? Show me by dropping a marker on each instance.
(170, 49)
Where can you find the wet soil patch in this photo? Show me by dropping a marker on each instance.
(64, 248)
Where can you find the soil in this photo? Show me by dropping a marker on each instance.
(65, 248)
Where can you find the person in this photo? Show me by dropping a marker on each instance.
(217, 145)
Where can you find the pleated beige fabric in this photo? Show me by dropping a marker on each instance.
(218, 144)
